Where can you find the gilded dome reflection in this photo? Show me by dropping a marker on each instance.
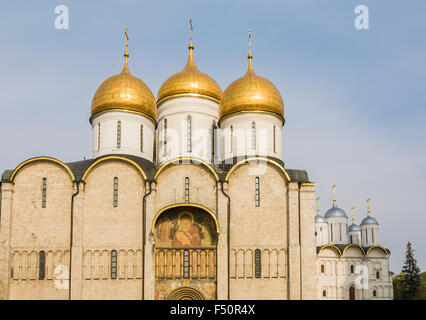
(251, 93)
(124, 92)
(190, 81)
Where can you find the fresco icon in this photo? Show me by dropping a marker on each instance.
(185, 230)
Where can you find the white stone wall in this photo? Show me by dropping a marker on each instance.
(32, 228)
(338, 230)
(264, 228)
(282, 227)
(340, 272)
(369, 234)
(321, 230)
(354, 237)
(131, 124)
(172, 143)
(241, 135)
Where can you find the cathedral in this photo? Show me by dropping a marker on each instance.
(186, 197)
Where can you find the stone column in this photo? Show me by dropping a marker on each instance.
(293, 242)
(307, 240)
(149, 266)
(222, 245)
(5, 225)
(77, 245)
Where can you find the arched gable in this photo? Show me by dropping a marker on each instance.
(257, 159)
(177, 205)
(377, 247)
(37, 159)
(339, 253)
(94, 164)
(353, 245)
(187, 160)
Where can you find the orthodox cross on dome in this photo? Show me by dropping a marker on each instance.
(353, 214)
(126, 53)
(191, 63)
(368, 204)
(318, 206)
(190, 32)
(250, 55)
(334, 194)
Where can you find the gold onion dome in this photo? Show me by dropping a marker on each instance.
(251, 93)
(124, 92)
(190, 82)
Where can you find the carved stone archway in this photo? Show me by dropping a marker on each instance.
(185, 293)
(185, 249)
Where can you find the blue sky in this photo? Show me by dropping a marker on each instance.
(354, 99)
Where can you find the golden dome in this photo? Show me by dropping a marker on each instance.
(251, 93)
(124, 92)
(190, 82)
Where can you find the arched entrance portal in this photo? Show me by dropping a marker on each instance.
(185, 239)
(351, 293)
(185, 293)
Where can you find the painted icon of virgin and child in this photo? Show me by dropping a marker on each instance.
(181, 232)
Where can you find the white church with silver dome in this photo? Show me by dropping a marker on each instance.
(186, 196)
(344, 252)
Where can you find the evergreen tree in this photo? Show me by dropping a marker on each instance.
(411, 272)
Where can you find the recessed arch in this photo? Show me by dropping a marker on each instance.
(235, 166)
(48, 159)
(113, 158)
(191, 160)
(377, 246)
(330, 246)
(178, 205)
(353, 245)
(185, 293)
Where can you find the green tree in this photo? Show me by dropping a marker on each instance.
(421, 293)
(396, 282)
(411, 273)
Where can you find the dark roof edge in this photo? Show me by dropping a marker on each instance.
(78, 168)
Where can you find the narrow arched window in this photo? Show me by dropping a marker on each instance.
(118, 134)
(186, 189)
(331, 232)
(186, 264)
(115, 192)
(232, 139)
(42, 265)
(257, 202)
(213, 140)
(258, 263)
(113, 264)
(377, 274)
(324, 293)
(165, 138)
(44, 193)
(352, 269)
(188, 134)
(99, 136)
(374, 293)
(141, 137)
(322, 269)
(372, 235)
(274, 140)
(253, 136)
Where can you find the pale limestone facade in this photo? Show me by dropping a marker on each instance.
(174, 209)
(98, 228)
